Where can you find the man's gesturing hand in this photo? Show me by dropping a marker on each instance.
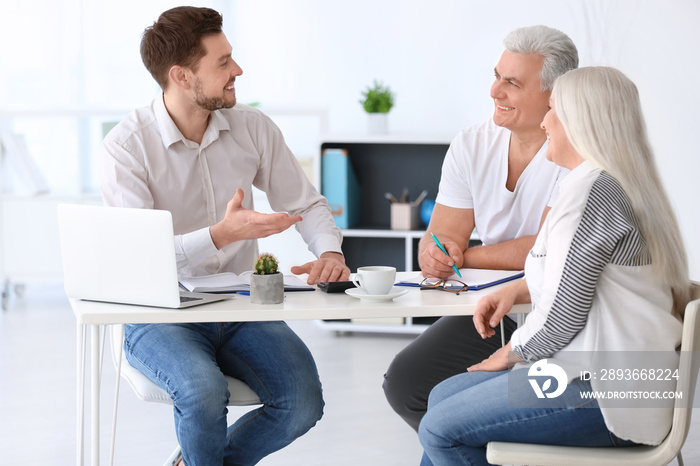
(240, 223)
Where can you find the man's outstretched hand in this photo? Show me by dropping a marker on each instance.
(240, 223)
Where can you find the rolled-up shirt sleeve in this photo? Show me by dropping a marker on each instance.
(193, 248)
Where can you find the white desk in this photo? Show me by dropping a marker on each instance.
(304, 305)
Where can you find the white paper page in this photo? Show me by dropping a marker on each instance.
(229, 280)
(293, 280)
(216, 281)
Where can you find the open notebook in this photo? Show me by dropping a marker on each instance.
(228, 282)
(476, 279)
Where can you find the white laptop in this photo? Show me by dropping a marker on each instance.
(122, 255)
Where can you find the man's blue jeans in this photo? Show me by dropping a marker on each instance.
(467, 411)
(189, 361)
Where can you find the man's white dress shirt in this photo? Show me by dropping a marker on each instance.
(148, 163)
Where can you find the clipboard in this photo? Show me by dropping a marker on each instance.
(496, 282)
(476, 279)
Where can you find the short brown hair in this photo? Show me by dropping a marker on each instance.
(176, 39)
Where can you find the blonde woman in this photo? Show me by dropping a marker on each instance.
(608, 272)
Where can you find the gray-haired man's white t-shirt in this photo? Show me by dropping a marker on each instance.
(474, 175)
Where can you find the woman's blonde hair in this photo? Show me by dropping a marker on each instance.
(601, 113)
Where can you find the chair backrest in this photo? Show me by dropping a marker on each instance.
(688, 370)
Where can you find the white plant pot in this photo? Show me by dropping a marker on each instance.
(267, 289)
(377, 123)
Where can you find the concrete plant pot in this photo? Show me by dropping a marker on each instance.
(267, 289)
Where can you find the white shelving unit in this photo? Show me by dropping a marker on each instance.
(408, 237)
(407, 327)
(386, 163)
(379, 325)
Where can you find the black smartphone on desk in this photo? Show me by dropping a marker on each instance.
(335, 287)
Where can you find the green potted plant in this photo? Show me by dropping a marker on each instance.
(377, 101)
(266, 282)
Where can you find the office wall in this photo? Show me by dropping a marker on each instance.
(438, 57)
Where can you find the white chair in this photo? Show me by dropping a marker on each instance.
(549, 455)
(145, 390)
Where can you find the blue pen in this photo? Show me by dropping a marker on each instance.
(443, 250)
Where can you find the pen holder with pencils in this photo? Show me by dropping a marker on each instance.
(405, 216)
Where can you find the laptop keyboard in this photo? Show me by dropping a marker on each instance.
(188, 299)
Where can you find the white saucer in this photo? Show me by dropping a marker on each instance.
(376, 298)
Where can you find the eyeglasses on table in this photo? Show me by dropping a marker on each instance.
(453, 286)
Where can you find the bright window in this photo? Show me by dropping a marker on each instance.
(70, 67)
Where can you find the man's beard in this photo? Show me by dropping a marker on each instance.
(209, 103)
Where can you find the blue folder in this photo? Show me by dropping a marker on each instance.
(477, 286)
(339, 185)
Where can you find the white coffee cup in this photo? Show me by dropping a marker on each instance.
(375, 280)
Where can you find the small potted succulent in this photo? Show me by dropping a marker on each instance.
(377, 101)
(266, 282)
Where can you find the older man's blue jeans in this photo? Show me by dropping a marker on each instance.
(467, 411)
(189, 361)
